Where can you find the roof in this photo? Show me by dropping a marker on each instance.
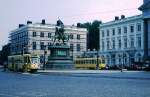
(67, 27)
(114, 22)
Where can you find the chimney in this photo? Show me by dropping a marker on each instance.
(122, 16)
(116, 18)
(29, 22)
(21, 25)
(43, 21)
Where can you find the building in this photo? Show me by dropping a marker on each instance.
(145, 8)
(122, 40)
(35, 39)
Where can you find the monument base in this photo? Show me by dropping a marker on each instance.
(59, 58)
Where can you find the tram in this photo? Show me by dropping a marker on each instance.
(90, 63)
(24, 63)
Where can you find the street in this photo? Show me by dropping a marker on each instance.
(116, 84)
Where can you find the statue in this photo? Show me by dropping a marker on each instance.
(59, 33)
(59, 52)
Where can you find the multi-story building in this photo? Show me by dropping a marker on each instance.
(122, 40)
(36, 38)
(145, 8)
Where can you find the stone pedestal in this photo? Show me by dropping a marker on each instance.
(59, 58)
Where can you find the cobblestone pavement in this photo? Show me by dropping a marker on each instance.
(104, 84)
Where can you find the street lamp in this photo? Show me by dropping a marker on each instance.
(122, 65)
(23, 51)
(97, 64)
(44, 63)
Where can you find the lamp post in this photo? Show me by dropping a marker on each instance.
(44, 63)
(23, 50)
(122, 65)
(72, 52)
(97, 63)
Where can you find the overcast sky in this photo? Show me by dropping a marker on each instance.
(13, 12)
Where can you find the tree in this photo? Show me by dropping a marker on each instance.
(4, 53)
(93, 33)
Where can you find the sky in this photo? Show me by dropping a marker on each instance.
(14, 12)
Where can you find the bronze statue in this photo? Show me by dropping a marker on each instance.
(59, 33)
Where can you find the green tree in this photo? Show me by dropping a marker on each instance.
(93, 33)
(4, 53)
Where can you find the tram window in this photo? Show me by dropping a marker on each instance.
(99, 61)
(93, 62)
(84, 61)
(77, 62)
(25, 60)
(90, 61)
(87, 61)
(103, 61)
(81, 61)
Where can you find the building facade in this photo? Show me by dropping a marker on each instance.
(145, 8)
(122, 41)
(36, 38)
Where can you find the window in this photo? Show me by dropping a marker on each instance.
(103, 45)
(132, 42)
(119, 43)
(71, 36)
(71, 47)
(138, 27)
(42, 34)
(103, 34)
(107, 32)
(139, 42)
(113, 31)
(125, 29)
(108, 45)
(34, 34)
(49, 35)
(78, 36)
(125, 42)
(132, 28)
(49, 44)
(113, 42)
(119, 30)
(34, 45)
(119, 56)
(125, 58)
(42, 45)
(78, 47)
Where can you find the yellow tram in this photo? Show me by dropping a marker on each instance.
(25, 63)
(89, 63)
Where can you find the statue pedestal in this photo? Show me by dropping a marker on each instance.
(59, 58)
